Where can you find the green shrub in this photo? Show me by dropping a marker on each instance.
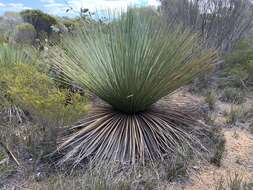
(211, 99)
(48, 107)
(251, 127)
(25, 26)
(238, 69)
(219, 151)
(200, 84)
(32, 95)
(36, 93)
(25, 33)
(177, 167)
(42, 35)
(3, 40)
(71, 24)
(41, 21)
(233, 95)
(234, 115)
(9, 57)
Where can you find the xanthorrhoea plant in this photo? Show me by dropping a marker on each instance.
(131, 64)
(11, 55)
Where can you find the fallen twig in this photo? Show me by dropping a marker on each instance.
(10, 154)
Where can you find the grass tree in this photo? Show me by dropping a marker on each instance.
(10, 55)
(131, 64)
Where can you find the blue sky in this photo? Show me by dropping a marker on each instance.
(59, 7)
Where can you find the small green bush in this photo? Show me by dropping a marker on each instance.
(47, 107)
(219, 151)
(177, 168)
(234, 115)
(71, 24)
(233, 95)
(36, 93)
(211, 99)
(25, 26)
(3, 40)
(251, 128)
(238, 69)
(25, 33)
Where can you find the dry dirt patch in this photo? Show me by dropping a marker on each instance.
(238, 158)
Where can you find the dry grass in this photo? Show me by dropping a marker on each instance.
(234, 182)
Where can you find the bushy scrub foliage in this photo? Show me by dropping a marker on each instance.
(71, 24)
(24, 85)
(36, 93)
(30, 97)
(233, 95)
(251, 127)
(10, 56)
(3, 40)
(131, 64)
(238, 69)
(25, 33)
(219, 150)
(41, 21)
(211, 99)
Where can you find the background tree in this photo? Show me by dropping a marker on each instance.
(220, 23)
(42, 22)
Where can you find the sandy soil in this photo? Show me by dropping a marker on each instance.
(238, 158)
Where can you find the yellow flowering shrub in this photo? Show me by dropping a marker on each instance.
(35, 93)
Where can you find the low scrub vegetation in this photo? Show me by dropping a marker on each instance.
(41, 21)
(238, 69)
(211, 99)
(251, 127)
(219, 149)
(25, 33)
(137, 101)
(233, 95)
(234, 182)
(32, 106)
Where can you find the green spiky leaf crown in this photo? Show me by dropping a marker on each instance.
(133, 61)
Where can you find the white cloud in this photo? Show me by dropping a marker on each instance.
(99, 4)
(47, 1)
(93, 5)
(76, 5)
(16, 7)
(2, 5)
(56, 8)
(155, 3)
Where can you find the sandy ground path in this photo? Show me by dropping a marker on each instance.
(238, 158)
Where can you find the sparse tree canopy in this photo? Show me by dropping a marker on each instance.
(220, 23)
